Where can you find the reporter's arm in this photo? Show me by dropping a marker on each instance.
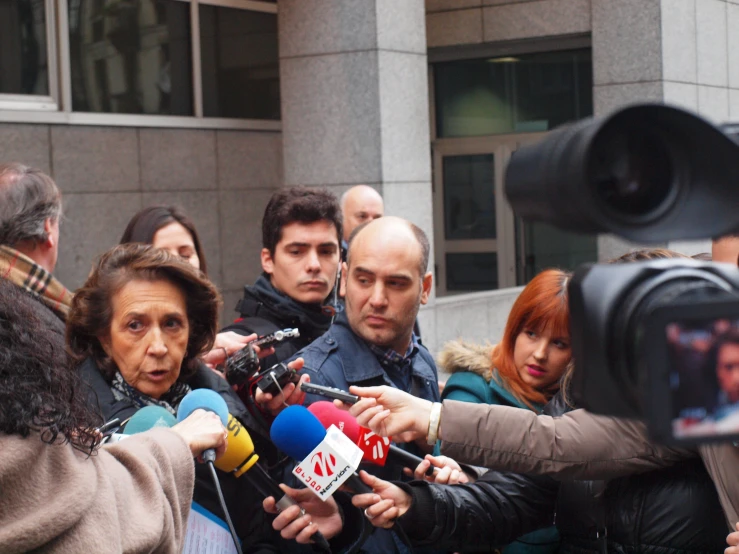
(577, 445)
(485, 515)
(131, 496)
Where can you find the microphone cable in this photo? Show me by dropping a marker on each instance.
(223, 507)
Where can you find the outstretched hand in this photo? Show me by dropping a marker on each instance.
(390, 412)
(384, 504)
(319, 516)
(449, 471)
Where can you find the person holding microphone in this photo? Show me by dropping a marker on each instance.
(61, 491)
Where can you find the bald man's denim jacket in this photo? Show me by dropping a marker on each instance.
(340, 358)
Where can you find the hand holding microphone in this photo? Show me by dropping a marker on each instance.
(203, 431)
(208, 401)
(308, 517)
(376, 449)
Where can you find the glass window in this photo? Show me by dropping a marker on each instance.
(469, 199)
(512, 94)
(471, 272)
(131, 57)
(23, 48)
(545, 246)
(240, 67)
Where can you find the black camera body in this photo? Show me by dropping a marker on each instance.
(276, 378)
(242, 366)
(626, 365)
(644, 333)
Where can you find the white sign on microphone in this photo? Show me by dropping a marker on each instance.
(330, 463)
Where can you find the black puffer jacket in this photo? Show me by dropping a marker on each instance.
(670, 511)
(264, 309)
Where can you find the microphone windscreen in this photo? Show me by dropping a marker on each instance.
(296, 432)
(239, 455)
(328, 415)
(204, 399)
(147, 418)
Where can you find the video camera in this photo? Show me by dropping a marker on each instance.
(655, 340)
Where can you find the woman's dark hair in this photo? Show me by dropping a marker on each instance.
(40, 391)
(298, 204)
(145, 224)
(92, 310)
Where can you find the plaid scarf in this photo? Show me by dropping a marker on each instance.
(170, 400)
(27, 274)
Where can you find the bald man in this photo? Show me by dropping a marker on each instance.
(359, 205)
(385, 280)
(726, 249)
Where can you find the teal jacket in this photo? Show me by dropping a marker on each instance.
(474, 380)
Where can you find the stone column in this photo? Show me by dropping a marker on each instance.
(683, 52)
(354, 84)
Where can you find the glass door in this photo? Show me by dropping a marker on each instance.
(479, 242)
(475, 237)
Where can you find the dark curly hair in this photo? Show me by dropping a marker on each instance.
(298, 204)
(92, 311)
(145, 224)
(39, 389)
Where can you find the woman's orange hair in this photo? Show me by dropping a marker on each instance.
(541, 306)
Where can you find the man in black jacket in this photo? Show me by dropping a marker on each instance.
(301, 233)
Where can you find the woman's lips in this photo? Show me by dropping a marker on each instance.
(158, 375)
(535, 371)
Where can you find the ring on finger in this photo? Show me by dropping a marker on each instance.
(367, 515)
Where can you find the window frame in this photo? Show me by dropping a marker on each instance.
(57, 107)
(39, 102)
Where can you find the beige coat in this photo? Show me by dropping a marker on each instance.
(577, 445)
(133, 496)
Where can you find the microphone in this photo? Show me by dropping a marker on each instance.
(376, 450)
(326, 460)
(204, 399)
(147, 418)
(240, 457)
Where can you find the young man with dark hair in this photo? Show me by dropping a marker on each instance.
(301, 233)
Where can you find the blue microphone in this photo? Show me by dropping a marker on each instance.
(147, 418)
(297, 432)
(204, 399)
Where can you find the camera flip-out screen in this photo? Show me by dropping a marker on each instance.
(703, 372)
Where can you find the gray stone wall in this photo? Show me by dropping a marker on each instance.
(222, 179)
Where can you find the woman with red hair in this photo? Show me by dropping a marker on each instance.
(524, 370)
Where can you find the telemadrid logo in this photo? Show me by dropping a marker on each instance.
(324, 465)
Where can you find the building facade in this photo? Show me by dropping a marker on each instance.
(213, 104)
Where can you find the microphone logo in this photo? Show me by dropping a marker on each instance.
(324, 465)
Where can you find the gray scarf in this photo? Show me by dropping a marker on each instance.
(170, 400)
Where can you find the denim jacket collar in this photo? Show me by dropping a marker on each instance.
(356, 355)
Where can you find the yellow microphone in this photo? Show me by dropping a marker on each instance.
(239, 456)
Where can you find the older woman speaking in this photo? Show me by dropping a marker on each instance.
(133, 496)
(138, 326)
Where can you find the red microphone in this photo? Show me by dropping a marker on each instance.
(377, 450)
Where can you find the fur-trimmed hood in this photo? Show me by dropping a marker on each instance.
(458, 356)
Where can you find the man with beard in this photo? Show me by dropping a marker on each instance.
(384, 282)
